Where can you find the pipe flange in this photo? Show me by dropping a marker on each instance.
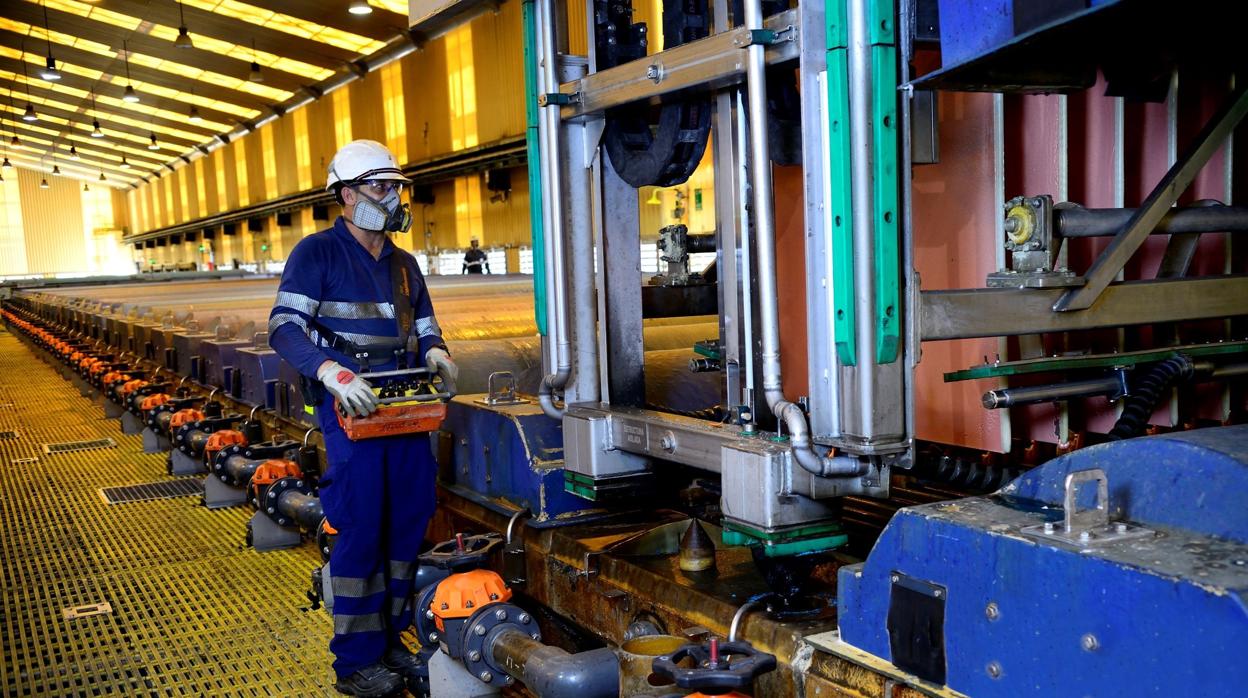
(219, 461)
(159, 409)
(424, 620)
(480, 630)
(273, 495)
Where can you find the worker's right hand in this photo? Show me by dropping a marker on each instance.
(354, 394)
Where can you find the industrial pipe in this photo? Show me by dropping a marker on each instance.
(552, 672)
(1113, 385)
(236, 470)
(556, 278)
(1078, 222)
(765, 233)
(301, 507)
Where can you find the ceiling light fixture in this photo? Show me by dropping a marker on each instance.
(255, 75)
(102, 177)
(129, 95)
(153, 145)
(50, 73)
(56, 170)
(15, 141)
(73, 152)
(194, 116)
(96, 132)
(124, 164)
(184, 36)
(6, 164)
(30, 114)
(85, 187)
(43, 183)
(359, 7)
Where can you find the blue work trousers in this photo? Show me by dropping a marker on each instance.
(379, 495)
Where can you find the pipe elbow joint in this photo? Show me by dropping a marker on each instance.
(546, 394)
(589, 674)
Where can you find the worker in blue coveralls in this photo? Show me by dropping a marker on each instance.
(351, 302)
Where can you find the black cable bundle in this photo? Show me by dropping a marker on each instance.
(1143, 400)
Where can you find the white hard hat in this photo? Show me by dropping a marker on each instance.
(360, 160)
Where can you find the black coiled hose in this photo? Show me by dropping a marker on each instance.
(1143, 400)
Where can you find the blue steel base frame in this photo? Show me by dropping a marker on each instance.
(1027, 615)
(509, 458)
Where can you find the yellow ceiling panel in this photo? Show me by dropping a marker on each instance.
(290, 25)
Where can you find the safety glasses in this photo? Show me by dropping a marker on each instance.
(378, 188)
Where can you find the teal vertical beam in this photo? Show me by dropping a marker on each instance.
(528, 14)
(880, 16)
(840, 198)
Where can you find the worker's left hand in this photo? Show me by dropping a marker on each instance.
(438, 360)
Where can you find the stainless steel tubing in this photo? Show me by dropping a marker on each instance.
(304, 509)
(1080, 222)
(556, 273)
(763, 214)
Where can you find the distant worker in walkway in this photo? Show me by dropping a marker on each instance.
(474, 259)
(350, 301)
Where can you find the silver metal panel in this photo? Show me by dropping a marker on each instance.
(588, 448)
(824, 390)
(757, 489)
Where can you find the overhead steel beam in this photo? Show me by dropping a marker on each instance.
(103, 148)
(234, 30)
(138, 42)
(1146, 217)
(80, 118)
(39, 88)
(967, 313)
(713, 62)
(78, 82)
(379, 25)
(115, 66)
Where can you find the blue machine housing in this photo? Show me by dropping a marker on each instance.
(289, 398)
(1010, 613)
(509, 458)
(219, 359)
(257, 369)
(186, 355)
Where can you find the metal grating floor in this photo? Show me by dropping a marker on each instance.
(148, 491)
(193, 611)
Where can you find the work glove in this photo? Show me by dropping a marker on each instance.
(354, 394)
(438, 360)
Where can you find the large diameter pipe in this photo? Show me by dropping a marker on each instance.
(765, 241)
(302, 508)
(1079, 222)
(551, 672)
(556, 277)
(239, 469)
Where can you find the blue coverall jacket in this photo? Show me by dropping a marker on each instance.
(378, 493)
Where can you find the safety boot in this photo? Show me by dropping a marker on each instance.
(411, 667)
(373, 681)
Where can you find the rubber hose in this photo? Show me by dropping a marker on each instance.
(1140, 404)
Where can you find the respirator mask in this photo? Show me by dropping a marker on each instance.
(388, 213)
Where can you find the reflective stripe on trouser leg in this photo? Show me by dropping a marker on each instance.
(352, 491)
(357, 587)
(410, 473)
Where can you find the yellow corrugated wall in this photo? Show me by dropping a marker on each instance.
(52, 223)
(477, 67)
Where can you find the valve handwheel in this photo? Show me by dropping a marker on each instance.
(719, 667)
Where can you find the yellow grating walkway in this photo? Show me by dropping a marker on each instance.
(194, 612)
